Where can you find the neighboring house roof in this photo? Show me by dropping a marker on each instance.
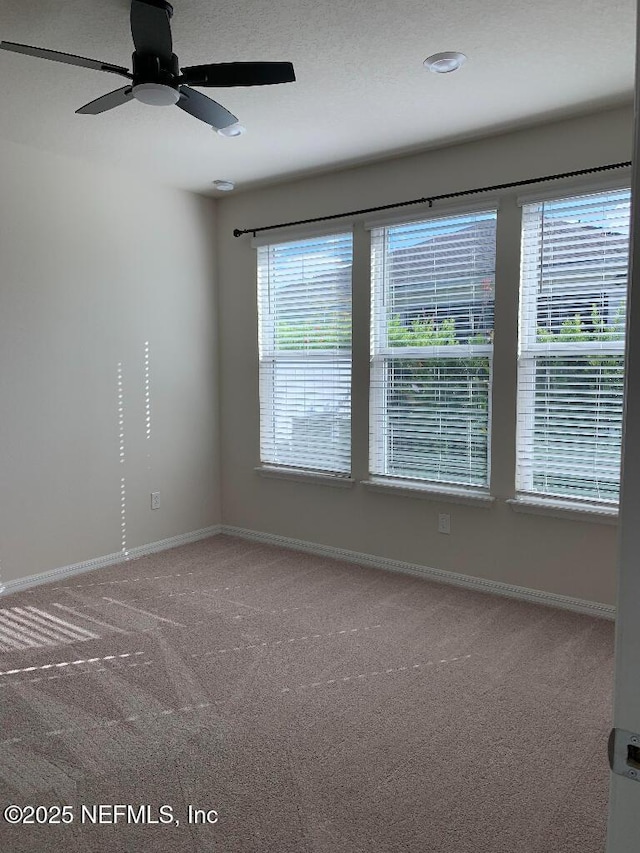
(447, 258)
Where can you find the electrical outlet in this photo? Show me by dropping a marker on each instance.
(444, 522)
(155, 500)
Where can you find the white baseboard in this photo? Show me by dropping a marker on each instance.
(521, 593)
(109, 560)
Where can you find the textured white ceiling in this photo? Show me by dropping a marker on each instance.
(361, 91)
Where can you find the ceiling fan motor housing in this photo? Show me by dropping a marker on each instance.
(154, 79)
(161, 4)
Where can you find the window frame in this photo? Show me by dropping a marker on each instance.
(530, 350)
(382, 354)
(269, 357)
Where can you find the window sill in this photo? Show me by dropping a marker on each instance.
(594, 513)
(448, 494)
(316, 477)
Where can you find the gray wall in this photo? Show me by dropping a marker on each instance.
(574, 558)
(94, 264)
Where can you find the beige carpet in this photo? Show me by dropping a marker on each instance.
(315, 705)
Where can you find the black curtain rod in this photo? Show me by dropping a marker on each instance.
(238, 232)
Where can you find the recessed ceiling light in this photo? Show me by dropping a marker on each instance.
(444, 63)
(233, 130)
(225, 186)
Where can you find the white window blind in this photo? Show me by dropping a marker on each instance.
(432, 333)
(304, 314)
(572, 338)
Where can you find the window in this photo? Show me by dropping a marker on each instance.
(304, 307)
(572, 338)
(432, 333)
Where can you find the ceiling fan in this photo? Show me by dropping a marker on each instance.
(158, 79)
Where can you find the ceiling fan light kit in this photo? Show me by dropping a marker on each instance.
(156, 94)
(157, 78)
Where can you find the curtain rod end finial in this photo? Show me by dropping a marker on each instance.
(237, 232)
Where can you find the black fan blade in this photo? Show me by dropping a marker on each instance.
(225, 74)
(202, 107)
(107, 102)
(151, 29)
(67, 58)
